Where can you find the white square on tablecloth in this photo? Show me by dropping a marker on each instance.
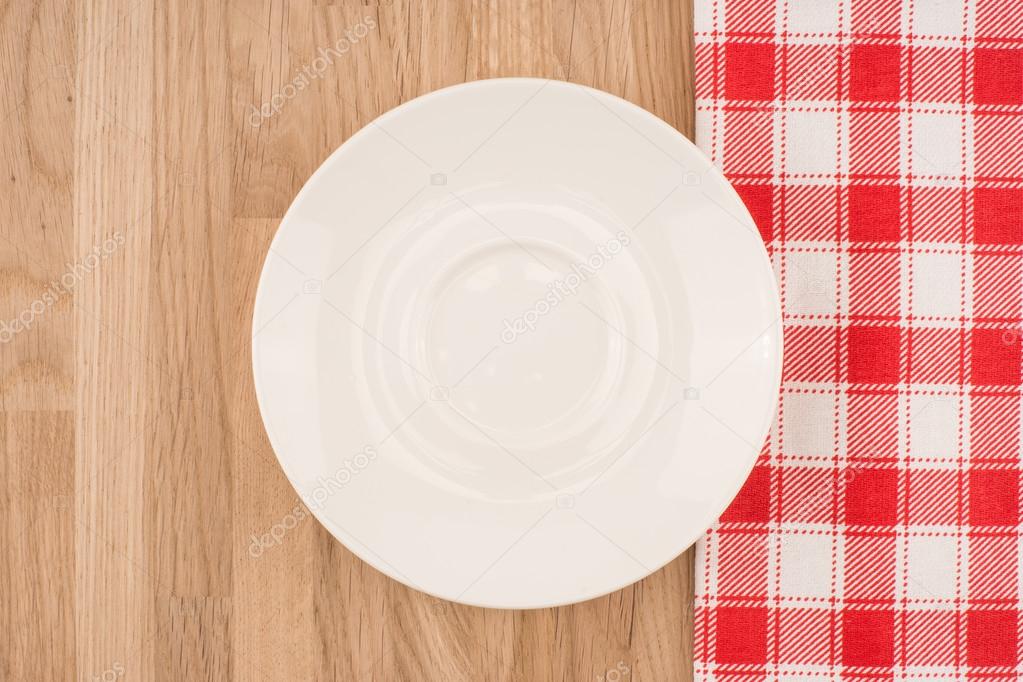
(936, 280)
(703, 17)
(806, 566)
(810, 283)
(809, 421)
(813, 16)
(938, 18)
(931, 567)
(935, 145)
(813, 142)
(933, 427)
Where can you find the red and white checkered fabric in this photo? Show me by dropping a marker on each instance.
(879, 146)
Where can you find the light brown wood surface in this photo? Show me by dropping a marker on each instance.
(135, 469)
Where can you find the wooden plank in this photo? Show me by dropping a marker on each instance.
(37, 525)
(37, 364)
(113, 199)
(189, 532)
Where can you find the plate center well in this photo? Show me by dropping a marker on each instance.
(517, 330)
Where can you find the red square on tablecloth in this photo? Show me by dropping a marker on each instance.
(752, 504)
(995, 357)
(998, 75)
(873, 354)
(991, 637)
(749, 71)
(871, 497)
(874, 73)
(741, 634)
(867, 637)
(998, 215)
(994, 497)
(874, 213)
(758, 200)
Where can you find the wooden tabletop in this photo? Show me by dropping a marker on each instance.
(142, 183)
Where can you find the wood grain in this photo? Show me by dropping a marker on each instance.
(138, 203)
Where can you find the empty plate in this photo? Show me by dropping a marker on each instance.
(516, 343)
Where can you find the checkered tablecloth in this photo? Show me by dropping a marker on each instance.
(879, 146)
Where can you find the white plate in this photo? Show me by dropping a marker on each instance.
(516, 343)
